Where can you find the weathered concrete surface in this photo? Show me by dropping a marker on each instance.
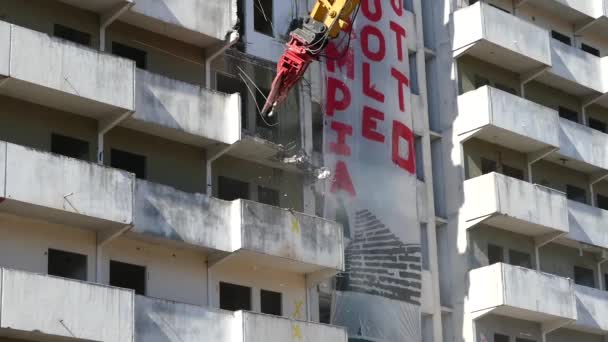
(577, 66)
(583, 143)
(52, 181)
(68, 68)
(2, 169)
(587, 224)
(427, 301)
(158, 320)
(521, 292)
(592, 309)
(266, 328)
(422, 201)
(207, 21)
(291, 235)
(512, 204)
(523, 42)
(195, 219)
(66, 308)
(529, 126)
(5, 43)
(187, 108)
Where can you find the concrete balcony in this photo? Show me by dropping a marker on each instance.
(514, 205)
(65, 76)
(581, 148)
(587, 224)
(164, 321)
(64, 190)
(199, 22)
(500, 38)
(578, 12)
(265, 152)
(238, 231)
(507, 120)
(45, 308)
(574, 71)
(592, 309)
(521, 293)
(185, 112)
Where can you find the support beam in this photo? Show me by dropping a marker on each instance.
(213, 53)
(108, 18)
(549, 327)
(537, 156)
(104, 238)
(464, 137)
(543, 240)
(103, 127)
(582, 27)
(519, 3)
(530, 76)
(213, 154)
(315, 278)
(588, 101)
(600, 279)
(594, 179)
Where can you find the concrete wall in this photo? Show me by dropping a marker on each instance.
(5, 43)
(55, 306)
(67, 184)
(475, 150)
(568, 335)
(469, 67)
(592, 307)
(490, 106)
(483, 235)
(496, 194)
(521, 288)
(171, 273)
(583, 143)
(164, 321)
(577, 66)
(187, 108)
(295, 236)
(213, 19)
(560, 260)
(489, 325)
(264, 328)
(587, 224)
(69, 68)
(200, 221)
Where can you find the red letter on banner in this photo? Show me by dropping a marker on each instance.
(400, 35)
(376, 15)
(375, 56)
(333, 103)
(397, 6)
(403, 83)
(333, 58)
(401, 131)
(368, 89)
(340, 147)
(342, 180)
(370, 125)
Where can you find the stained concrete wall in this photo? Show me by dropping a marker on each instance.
(187, 108)
(164, 321)
(521, 288)
(578, 66)
(568, 335)
(265, 328)
(583, 143)
(592, 307)
(482, 235)
(490, 106)
(561, 260)
(494, 193)
(70, 68)
(587, 224)
(291, 235)
(211, 18)
(470, 67)
(489, 325)
(200, 221)
(67, 184)
(475, 150)
(55, 306)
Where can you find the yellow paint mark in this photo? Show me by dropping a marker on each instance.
(295, 225)
(297, 332)
(297, 312)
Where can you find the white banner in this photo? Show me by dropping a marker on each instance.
(369, 146)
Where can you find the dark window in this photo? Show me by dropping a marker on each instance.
(602, 202)
(590, 49)
(505, 88)
(495, 254)
(487, 166)
(262, 17)
(127, 161)
(606, 281)
(568, 114)
(235, 297)
(325, 307)
(72, 35)
(128, 276)
(575, 193)
(140, 57)
(414, 75)
(230, 189)
(419, 159)
(69, 147)
(231, 85)
(597, 124)
(268, 196)
(522, 259)
(67, 264)
(271, 302)
(561, 37)
(501, 338)
(481, 81)
(584, 276)
(317, 127)
(513, 172)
